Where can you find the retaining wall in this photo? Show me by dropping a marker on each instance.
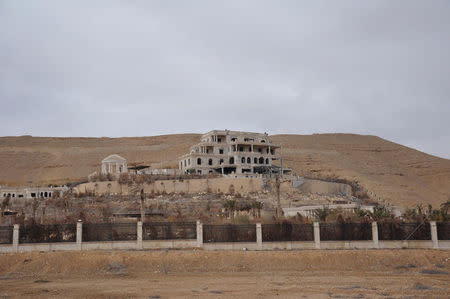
(190, 186)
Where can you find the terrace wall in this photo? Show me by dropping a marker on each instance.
(188, 186)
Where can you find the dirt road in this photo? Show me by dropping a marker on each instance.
(226, 274)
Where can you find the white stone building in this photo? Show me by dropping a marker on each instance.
(114, 164)
(231, 152)
(32, 192)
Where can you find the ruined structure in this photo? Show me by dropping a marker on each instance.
(114, 164)
(32, 192)
(231, 152)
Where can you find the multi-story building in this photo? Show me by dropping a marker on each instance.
(227, 152)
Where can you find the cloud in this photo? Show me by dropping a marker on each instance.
(119, 68)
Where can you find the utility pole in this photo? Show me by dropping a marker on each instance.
(277, 184)
(281, 159)
(142, 205)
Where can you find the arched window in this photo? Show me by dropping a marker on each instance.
(199, 161)
(249, 160)
(255, 160)
(184, 162)
(261, 160)
(243, 160)
(210, 162)
(267, 160)
(221, 161)
(232, 160)
(181, 164)
(45, 194)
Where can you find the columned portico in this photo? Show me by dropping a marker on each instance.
(114, 164)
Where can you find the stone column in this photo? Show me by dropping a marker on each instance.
(317, 235)
(375, 234)
(259, 235)
(139, 245)
(79, 234)
(434, 235)
(16, 237)
(199, 234)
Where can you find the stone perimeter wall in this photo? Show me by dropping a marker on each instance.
(216, 185)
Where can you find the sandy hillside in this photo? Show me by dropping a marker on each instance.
(226, 274)
(393, 172)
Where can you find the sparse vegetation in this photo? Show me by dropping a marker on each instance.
(322, 214)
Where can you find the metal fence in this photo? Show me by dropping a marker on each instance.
(229, 233)
(6, 234)
(287, 232)
(443, 230)
(109, 232)
(223, 233)
(169, 230)
(345, 231)
(47, 233)
(404, 231)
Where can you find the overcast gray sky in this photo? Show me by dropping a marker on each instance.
(142, 68)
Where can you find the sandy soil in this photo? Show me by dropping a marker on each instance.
(392, 172)
(226, 274)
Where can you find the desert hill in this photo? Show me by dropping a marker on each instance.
(391, 172)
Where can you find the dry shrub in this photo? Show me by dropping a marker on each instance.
(231, 189)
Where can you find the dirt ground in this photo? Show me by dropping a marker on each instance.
(227, 274)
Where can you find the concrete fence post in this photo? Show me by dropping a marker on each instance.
(16, 237)
(199, 234)
(317, 235)
(79, 234)
(139, 245)
(375, 234)
(434, 235)
(259, 235)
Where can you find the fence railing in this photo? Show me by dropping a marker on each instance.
(320, 235)
(443, 231)
(6, 234)
(229, 233)
(404, 231)
(345, 231)
(47, 233)
(109, 232)
(287, 232)
(169, 230)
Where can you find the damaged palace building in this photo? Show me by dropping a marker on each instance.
(232, 152)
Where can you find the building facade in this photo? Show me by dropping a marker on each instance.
(114, 164)
(231, 152)
(32, 192)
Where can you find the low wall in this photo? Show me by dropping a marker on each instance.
(190, 186)
(188, 244)
(322, 187)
